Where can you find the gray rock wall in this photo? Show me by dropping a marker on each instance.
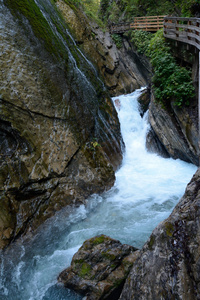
(60, 135)
(177, 130)
(118, 67)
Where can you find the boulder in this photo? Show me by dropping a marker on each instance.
(99, 268)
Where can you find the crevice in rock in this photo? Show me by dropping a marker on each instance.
(33, 112)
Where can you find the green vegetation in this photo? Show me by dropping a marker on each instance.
(117, 39)
(126, 10)
(141, 40)
(151, 242)
(85, 270)
(98, 240)
(171, 82)
(169, 228)
(109, 256)
(90, 7)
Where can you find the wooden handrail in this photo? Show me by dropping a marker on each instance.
(149, 23)
(186, 30)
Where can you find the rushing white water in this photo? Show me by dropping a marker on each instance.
(147, 188)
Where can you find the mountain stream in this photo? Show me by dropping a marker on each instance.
(146, 190)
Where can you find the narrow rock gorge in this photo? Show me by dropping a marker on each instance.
(61, 142)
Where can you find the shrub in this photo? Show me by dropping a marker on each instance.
(117, 39)
(170, 81)
(141, 40)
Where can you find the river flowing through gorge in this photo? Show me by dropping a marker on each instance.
(146, 190)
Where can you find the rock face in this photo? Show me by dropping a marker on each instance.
(59, 131)
(176, 129)
(169, 263)
(120, 69)
(99, 268)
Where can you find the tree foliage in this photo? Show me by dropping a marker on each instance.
(126, 10)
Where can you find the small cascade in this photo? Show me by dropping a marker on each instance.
(146, 190)
(55, 22)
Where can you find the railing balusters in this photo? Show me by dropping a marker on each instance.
(188, 32)
(149, 23)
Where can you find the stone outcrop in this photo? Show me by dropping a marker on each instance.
(120, 69)
(176, 129)
(60, 135)
(168, 265)
(99, 268)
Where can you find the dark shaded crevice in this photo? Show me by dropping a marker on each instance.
(21, 191)
(182, 137)
(26, 223)
(11, 141)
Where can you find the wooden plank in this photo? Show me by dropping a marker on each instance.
(180, 39)
(150, 17)
(147, 25)
(187, 27)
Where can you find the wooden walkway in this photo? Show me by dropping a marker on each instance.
(186, 30)
(150, 23)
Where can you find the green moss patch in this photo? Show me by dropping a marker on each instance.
(151, 242)
(39, 24)
(85, 270)
(99, 240)
(169, 228)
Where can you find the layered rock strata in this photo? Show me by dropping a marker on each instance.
(60, 135)
(176, 129)
(119, 68)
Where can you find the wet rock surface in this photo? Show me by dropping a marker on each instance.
(176, 129)
(99, 268)
(119, 68)
(168, 265)
(59, 131)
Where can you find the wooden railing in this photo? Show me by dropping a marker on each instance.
(119, 27)
(186, 30)
(150, 23)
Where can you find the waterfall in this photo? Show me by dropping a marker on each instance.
(147, 188)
